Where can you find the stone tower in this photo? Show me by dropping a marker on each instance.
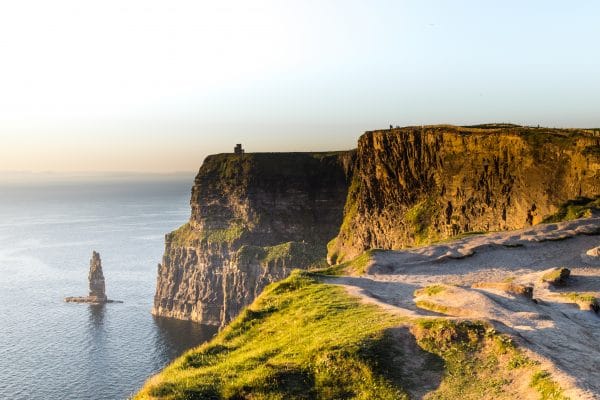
(96, 279)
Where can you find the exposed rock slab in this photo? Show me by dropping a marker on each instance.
(552, 328)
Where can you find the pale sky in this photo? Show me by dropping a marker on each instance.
(142, 85)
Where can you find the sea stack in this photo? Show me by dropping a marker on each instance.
(96, 281)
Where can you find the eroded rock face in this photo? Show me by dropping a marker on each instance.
(254, 218)
(415, 185)
(96, 278)
(96, 282)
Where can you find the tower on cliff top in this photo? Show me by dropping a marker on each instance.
(96, 278)
(238, 149)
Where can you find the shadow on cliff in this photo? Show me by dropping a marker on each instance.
(393, 357)
(398, 358)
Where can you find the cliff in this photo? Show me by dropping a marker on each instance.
(417, 185)
(255, 217)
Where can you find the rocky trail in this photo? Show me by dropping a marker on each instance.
(490, 277)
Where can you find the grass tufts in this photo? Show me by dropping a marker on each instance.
(547, 388)
(557, 276)
(300, 339)
(582, 207)
(430, 290)
(357, 266)
(303, 339)
(585, 301)
(184, 236)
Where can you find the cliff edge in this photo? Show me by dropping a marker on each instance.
(255, 217)
(417, 185)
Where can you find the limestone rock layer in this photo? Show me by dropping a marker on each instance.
(254, 218)
(417, 185)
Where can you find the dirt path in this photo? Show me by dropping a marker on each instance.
(551, 329)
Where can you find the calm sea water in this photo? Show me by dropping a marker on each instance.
(53, 350)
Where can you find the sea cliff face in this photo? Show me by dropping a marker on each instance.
(416, 185)
(254, 218)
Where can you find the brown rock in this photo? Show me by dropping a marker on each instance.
(254, 218)
(96, 278)
(415, 185)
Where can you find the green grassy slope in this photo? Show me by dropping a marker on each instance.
(303, 339)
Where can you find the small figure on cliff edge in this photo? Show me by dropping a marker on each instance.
(238, 149)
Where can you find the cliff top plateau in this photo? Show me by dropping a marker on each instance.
(462, 262)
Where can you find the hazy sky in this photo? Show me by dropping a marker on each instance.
(157, 85)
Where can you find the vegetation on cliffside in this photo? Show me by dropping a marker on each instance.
(257, 216)
(303, 339)
(581, 207)
(290, 254)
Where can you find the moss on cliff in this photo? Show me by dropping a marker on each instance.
(357, 266)
(581, 207)
(420, 217)
(184, 236)
(289, 254)
(226, 235)
(350, 214)
(302, 339)
(187, 236)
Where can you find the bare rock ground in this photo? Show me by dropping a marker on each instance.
(550, 328)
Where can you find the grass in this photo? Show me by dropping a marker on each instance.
(438, 308)
(184, 236)
(290, 254)
(582, 207)
(350, 213)
(479, 362)
(557, 276)
(302, 339)
(356, 266)
(548, 389)
(238, 168)
(419, 217)
(226, 235)
(430, 290)
(585, 301)
(459, 236)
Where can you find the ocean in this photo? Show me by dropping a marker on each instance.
(50, 349)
